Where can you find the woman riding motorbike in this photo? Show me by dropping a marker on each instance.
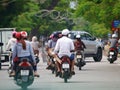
(79, 46)
(23, 49)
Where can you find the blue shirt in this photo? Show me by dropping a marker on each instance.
(20, 52)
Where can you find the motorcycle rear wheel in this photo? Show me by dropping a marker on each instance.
(65, 77)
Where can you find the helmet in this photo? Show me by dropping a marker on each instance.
(18, 35)
(78, 36)
(56, 35)
(34, 38)
(51, 36)
(114, 36)
(13, 33)
(65, 32)
(24, 34)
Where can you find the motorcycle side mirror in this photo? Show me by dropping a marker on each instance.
(1, 44)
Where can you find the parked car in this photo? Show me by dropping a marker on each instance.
(93, 47)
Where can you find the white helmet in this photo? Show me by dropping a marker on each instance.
(34, 38)
(114, 36)
(65, 32)
(78, 36)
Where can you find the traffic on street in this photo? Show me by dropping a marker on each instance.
(59, 44)
(93, 76)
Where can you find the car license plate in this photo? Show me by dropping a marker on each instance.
(24, 72)
(65, 65)
(111, 53)
(79, 56)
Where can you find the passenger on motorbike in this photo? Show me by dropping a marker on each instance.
(23, 49)
(50, 47)
(35, 45)
(11, 42)
(63, 47)
(9, 48)
(79, 46)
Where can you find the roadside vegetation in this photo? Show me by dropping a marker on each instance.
(41, 17)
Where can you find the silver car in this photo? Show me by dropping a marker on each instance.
(93, 47)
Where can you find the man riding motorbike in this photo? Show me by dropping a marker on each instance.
(50, 47)
(64, 46)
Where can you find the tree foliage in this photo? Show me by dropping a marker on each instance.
(94, 16)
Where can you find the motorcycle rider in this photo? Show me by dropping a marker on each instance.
(23, 49)
(50, 47)
(114, 42)
(79, 46)
(11, 42)
(35, 45)
(64, 46)
(9, 47)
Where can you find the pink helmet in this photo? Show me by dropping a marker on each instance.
(51, 36)
(24, 34)
(14, 33)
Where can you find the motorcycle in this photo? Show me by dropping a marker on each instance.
(52, 64)
(24, 73)
(66, 68)
(112, 55)
(80, 59)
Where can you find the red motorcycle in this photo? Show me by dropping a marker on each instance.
(112, 54)
(65, 68)
(24, 73)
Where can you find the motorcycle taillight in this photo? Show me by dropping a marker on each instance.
(24, 64)
(65, 59)
(112, 49)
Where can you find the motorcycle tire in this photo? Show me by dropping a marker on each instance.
(80, 67)
(65, 77)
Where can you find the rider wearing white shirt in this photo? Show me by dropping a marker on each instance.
(64, 46)
(11, 42)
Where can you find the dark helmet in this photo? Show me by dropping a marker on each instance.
(56, 34)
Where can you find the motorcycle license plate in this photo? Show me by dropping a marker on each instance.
(24, 72)
(111, 53)
(65, 66)
(110, 57)
(79, 56)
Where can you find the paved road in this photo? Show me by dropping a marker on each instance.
(93, 76)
